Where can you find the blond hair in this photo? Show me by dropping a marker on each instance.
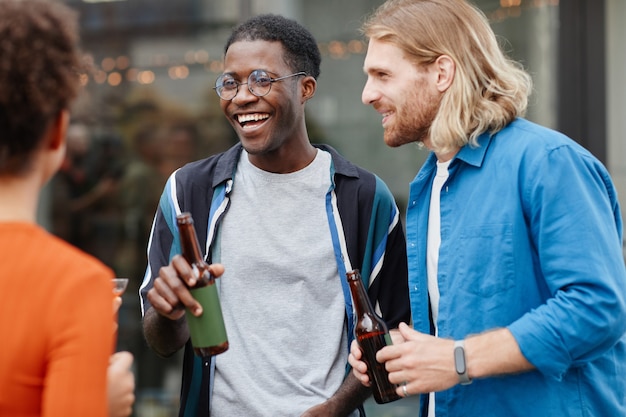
(489, 90)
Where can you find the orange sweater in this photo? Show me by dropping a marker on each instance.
(56, 326)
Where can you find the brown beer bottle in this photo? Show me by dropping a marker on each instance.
(208, 333)
(372, 334)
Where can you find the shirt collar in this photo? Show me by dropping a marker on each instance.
(227, 164)
(475, 155)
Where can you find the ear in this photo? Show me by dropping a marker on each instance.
(309, 85)
(446, 70)
(58, 130)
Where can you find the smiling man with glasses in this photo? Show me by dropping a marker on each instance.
(287, 220)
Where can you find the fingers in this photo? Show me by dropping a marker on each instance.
(400, 337)
(396, 336)
(117, 302)
(187, 274)
(395, 356)
(120, 384)
(389, 353)
(164, 301)
(359, 368)
(403, 390)
(216, 269)
(121, 360)
(355, 350)
(173, 285)
(170, 293)
(407, 332)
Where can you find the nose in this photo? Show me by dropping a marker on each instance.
(370, 94)
(243, 95)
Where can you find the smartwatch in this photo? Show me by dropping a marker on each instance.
(459, 362)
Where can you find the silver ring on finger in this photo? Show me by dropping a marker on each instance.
(404, 391)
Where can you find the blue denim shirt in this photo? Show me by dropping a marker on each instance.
(531, 237)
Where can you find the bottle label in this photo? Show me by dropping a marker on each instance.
(208, 329)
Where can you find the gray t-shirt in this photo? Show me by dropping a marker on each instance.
(281, 295)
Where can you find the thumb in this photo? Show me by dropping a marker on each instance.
(407, 332)
(216, 270)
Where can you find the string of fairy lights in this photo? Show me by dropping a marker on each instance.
(114, 71)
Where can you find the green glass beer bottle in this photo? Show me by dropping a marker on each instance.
(208, 333)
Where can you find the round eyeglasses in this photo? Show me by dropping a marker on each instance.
(259, 83)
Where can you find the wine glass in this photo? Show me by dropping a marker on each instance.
(119, 286)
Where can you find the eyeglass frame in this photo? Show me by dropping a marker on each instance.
(219, 88)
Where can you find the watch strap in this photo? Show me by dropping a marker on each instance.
(459, 362)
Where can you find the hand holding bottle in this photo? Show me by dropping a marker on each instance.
(371, 335)
(170, 295)
(186, 287)
(207, 330)
(356, 361)
(359, 367)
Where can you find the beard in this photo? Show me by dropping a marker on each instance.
(413, 118)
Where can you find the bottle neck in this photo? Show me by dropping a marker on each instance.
(189, 244)
(190, 248)
(360, 298)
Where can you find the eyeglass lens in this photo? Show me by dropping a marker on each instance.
(259, 83)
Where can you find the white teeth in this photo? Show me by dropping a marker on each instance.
(243, 118)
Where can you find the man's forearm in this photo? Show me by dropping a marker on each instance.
(163, 335)
(494, 353)
(350, 395)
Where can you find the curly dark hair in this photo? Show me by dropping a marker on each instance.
(301, 50)
(40, 63)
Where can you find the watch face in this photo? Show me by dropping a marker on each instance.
(459, 360)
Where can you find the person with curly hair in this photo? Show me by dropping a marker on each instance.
(58, 329)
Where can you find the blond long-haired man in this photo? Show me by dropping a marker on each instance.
(514, 231)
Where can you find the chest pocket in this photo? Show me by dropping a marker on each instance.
(486, 259)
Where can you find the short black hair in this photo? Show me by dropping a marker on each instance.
(301, 50)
